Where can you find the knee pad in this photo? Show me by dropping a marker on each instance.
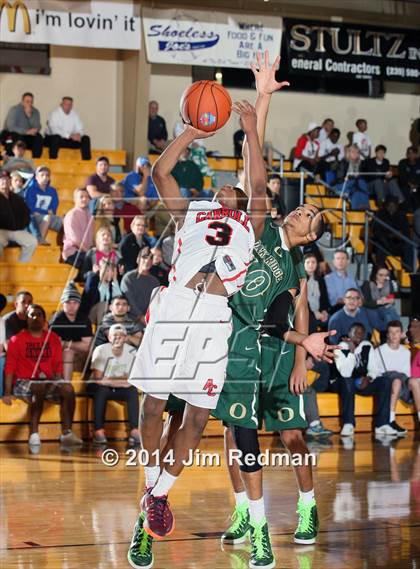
(247, 442)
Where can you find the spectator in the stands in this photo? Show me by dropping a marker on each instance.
(157, 133)
(339, 280)
(124, 211)
(307, 149)
(99, 184)
(379, 293)
(409, 178)
(383, 184)
(325, 130)
(74, 330)
(14, 220)
(23, 122)
(18, 161)
(188, 176)
(275, 194)
(238, 141)
(65, 130)
(158, 268)
(3, 302)
(413, 334)
(104, 249)
(42, 200)
(361, 139)
(139, 183)
(349, 183)
(17, 184)
(99, 290)
(133, 242)
(137, 285)
(119, 314)
(105, 218)
(356, 363)
(352, 312)
(111, 365)
(78, 230)
(331, 152)
(394, 365)
(34, 371)
(387, 242)
(16, 320)
(317, 295)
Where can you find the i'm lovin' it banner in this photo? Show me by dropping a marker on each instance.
(87, 24)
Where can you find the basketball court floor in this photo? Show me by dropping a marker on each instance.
(70, 511)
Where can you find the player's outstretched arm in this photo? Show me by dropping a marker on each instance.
(165, 183)
(314, 344)
(256, 175)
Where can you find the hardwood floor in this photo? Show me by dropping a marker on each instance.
(69, 511)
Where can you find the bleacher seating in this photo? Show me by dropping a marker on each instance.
(45, 277)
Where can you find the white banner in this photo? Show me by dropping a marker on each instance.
(87, 24)
(190, 37)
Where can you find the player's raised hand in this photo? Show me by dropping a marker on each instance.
(247, 115)
(197, 133)
(265, 74)
(315, 345)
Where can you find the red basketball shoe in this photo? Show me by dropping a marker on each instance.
(159, 520)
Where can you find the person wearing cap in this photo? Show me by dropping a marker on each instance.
(111, 366)
(74, 329)
(139, 183)
(42, 201)
(34, 372)
(99, 184)
(14, 220)
(157, 133)
(65, 130)
(307, 149)
(78, 230)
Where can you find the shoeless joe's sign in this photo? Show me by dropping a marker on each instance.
(352, 51)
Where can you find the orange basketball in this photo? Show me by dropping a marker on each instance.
(206, 105)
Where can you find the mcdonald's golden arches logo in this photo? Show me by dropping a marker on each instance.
(12, 10)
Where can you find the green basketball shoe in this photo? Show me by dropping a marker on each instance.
(140, 553)
(262, 554)
(308, 524)
(239, 530)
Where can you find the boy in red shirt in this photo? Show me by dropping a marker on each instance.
(33, 372)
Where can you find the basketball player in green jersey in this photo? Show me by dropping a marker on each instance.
(265, 364)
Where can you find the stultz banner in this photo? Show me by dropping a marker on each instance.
(100, 24)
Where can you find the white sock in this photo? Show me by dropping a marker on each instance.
(307, 497)
(164, 484)
(314, 423)
(391, 416)
(257, 510)
(240, 498)
(151, 474)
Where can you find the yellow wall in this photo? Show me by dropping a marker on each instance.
(95, 78)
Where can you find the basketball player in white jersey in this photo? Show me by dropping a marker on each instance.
(184, 348)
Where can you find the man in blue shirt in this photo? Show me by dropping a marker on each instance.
(339, 280)
(42, 201)
(139, 183)
(353, 312)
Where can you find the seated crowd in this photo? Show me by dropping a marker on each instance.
(119, 238)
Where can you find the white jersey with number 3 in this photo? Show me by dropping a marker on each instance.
(213, 233)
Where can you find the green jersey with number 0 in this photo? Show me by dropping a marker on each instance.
(273, 270)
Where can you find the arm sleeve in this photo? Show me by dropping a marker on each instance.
(78, 124)
(373, 367)
(407, 363)
(54, 126)
(276, 321)
(30, 198)
(54, 203)
(11, 356)
(334, 324)
(300, 145)
(11, 122)
(57, 363)
(332, 296)
(98, 361)
(345, 361)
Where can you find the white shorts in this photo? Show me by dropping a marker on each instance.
(185, 347)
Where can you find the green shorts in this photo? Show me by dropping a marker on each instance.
(256, 389)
